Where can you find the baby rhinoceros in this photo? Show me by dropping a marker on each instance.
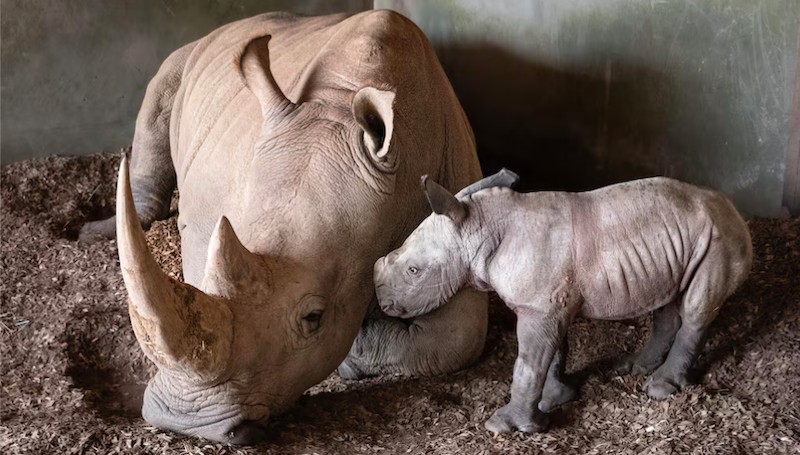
(614, 253)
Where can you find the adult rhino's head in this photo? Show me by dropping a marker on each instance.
(222, 367)
(269, 320)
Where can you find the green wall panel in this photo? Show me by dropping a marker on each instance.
(74, 72)
(576, 94)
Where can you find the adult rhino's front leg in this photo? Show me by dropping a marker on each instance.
(153, 177)
(445, 340)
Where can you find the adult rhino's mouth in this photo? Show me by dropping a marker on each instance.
(203, 413)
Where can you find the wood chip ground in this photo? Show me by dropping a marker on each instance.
(73, 375)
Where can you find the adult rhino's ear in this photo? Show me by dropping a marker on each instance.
(253, 67)
(374, 112)
(442, 202)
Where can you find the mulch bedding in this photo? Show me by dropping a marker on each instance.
(73, 375)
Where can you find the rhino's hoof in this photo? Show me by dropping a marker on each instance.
(554, 396)
(497, 424)
(505, 421)
(97, 231)
(659, 389)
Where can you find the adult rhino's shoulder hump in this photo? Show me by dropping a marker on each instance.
(383, 22)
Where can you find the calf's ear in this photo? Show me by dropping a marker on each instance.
(442, 201)
(503, 178)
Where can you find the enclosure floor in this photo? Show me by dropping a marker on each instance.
(73, 375)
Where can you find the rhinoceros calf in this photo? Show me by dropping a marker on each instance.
(613, 253)
(297, 160)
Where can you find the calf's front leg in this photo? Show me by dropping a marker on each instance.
(557, 392)
(539, 335)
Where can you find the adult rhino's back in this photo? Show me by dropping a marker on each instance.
(324, 58)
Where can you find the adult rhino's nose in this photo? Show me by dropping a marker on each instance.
(248, 433)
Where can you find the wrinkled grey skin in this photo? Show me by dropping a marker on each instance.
(297, 160)
(365, 362)
(614, 253)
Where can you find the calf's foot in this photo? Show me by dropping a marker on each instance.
(625, 364)
(659, 389)
(661, 386)
(508, 419)
(554, 394)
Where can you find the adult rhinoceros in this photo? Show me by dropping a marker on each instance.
(298, 167)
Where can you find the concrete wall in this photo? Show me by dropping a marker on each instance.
(74, 72)
(574, 94)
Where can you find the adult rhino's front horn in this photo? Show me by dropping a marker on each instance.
(180, 328)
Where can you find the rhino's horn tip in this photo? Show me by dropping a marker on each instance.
(223, 223)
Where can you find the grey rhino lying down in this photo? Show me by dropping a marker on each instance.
(613, 253)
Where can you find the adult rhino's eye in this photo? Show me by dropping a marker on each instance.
(413, 270)
(312, 321)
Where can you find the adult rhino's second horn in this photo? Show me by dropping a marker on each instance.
(232, 271)
(161, 308)
(253, 67)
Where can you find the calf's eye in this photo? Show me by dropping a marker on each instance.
(413, 270)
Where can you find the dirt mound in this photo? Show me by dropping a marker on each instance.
(73, 375)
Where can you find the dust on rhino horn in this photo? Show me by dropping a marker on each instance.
(180, 328)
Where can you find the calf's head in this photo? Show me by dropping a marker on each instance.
(433, 263)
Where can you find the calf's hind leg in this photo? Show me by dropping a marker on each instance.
(720, 273)
(666, 323)
(556, 392)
